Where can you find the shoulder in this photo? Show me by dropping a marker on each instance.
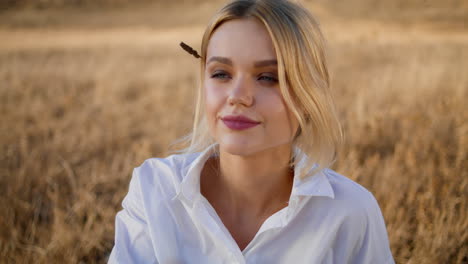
(361, 218)
(352, 198)
(173, 165)
(347, 189)
(163, 175)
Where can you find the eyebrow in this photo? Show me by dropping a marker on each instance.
(257, 64)
(221, 60)
(265, 63)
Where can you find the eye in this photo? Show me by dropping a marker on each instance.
(220, 75)
(268, 78)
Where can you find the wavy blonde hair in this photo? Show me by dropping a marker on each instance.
(303, 79)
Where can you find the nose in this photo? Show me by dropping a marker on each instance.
(242, 92)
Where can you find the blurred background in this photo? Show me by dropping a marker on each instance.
(89, 89)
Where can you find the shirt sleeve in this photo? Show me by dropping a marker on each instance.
(374, 247)
(132, 240)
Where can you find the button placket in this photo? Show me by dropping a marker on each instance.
(214, 223)
(234, 259)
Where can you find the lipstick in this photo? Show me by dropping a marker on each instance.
(239, 122)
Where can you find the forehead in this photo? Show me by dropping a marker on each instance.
(244, 39)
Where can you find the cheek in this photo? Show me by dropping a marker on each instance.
(214, 98)
(276, 105)
(284, 118)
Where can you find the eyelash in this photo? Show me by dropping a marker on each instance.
(219, 75)
(269, 78)
(223, 75)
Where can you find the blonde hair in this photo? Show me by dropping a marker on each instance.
(303, 78)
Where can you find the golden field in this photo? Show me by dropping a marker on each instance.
(89, 92)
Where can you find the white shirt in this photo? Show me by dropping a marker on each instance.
(165, 219)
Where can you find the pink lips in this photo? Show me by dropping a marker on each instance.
(239, 122)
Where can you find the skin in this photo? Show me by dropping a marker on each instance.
(251, 179)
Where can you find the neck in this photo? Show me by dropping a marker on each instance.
(256, 182)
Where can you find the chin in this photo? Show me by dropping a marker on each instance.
(238, 147)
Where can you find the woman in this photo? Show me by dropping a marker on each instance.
(253, 186)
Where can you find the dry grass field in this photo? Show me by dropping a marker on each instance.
(88, 93)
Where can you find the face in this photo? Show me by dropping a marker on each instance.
(244, 107)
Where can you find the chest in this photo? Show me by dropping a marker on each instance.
(199, 234)
(242, 229)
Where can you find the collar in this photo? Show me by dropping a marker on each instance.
(313, 185)
(189, 189)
